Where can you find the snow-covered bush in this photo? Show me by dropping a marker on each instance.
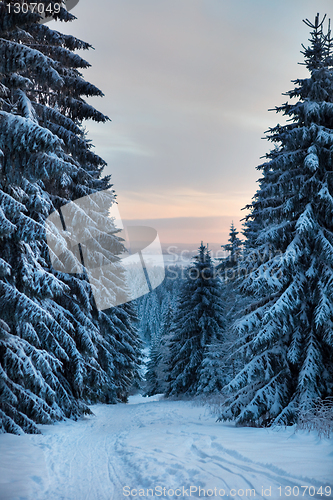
(317, 418)
(213, 402)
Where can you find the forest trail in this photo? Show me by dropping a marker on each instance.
(151, 445)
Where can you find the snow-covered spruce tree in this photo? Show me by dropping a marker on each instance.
(159, 356)
(151, 306)
(57, 351)
(153, 381)
(119, 328)
(214, 369)
(229, 264)
(198, 322)
(149, 311)
(286, 334)
(220, 363)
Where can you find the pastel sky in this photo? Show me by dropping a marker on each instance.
(188, 85)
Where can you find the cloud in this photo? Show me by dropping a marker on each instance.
(187, 85)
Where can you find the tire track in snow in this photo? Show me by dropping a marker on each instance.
(263, 473)
(161, 443)
(194, 461)
(80, 461)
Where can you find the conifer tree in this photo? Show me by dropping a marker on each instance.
(214, 369)
(286, 334)
(57, 351)
(153, 380)
(157, 367)
(234, 245)
(228, 265)
(198, 322)
(149, 307)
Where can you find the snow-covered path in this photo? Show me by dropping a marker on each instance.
(161, 444)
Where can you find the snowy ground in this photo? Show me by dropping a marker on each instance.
(143, 447)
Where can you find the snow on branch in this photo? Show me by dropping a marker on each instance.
(15, 57)
(24, 135)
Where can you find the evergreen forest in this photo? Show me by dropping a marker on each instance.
(253, 329)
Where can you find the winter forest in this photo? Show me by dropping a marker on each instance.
(247, 337)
